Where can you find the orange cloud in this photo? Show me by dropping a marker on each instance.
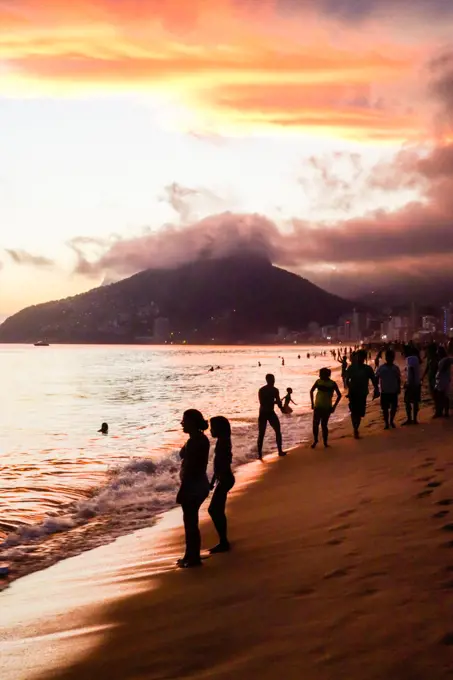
(228, 58)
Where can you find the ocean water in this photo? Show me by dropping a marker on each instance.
(64, 488)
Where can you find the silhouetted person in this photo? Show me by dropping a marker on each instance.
(268, 397)
(211, 369)
(283, 362)
(389, 380)
(322, 405)
(287, 400)
(413, 385)
(432, 365)
(194, 487)
(344, 369)
(223, 480)
(442, 385)
(259, 364)
(104, 428)
(358, 377)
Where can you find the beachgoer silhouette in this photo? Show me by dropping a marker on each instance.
(223, 480)
(287, 400)
(442, 386)
(269, 396)
(432, 365)
(413, 385)
(322, 407)
(194, 488)
(344, 368)
(389, 379)
(104, 428)
(358, 377)
(283, 362)
(259, 364)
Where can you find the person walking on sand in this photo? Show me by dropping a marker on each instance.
(413, 385)
(222, 480)
(268, 397)
(194, 488)
(389, 379)
(322, 407)
(344, 369)
(287, 400)
(442, 385)
(432, 365)
(358, 377)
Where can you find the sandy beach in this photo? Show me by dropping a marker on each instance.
(342, 567)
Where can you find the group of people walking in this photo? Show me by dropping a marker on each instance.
(387, 383)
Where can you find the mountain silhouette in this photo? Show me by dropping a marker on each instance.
(240, 298)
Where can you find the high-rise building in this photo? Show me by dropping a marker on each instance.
(447, 319)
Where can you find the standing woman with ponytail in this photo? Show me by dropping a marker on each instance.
(194, 487)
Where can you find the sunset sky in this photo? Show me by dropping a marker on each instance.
(134, 134)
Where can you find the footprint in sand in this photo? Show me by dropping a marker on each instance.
(366, 592)
(447, 586)
(303, 592)
(445, 501)
(448, 545)
(346, 513)
(448, 527)
(440, 514)
(447, 639)
(424, 494)
(434, 485)
(425, 465)
(339, 527)
(425, 479)
(337, 573)
(335, 541)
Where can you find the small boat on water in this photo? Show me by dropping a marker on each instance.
(41, 343)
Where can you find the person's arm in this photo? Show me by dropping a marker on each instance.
(278, 401)
(260, 398)
(293, 402)
(338, 393)
(375, 382)
(312, 391)
(398, 375)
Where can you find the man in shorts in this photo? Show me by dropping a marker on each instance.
(269, 396)
(358, 377)
(389, 377)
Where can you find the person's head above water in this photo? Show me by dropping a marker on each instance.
(390, 356)
(104, 428)
(325, 373)
(270, 379)
(220, 427)
(193, 422)
(289, 390)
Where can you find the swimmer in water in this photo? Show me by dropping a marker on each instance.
(287, 400)
(104, 428)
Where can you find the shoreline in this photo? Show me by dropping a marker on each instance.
(133, 583)
(72, 538)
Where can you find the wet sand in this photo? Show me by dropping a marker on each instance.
(342, 568)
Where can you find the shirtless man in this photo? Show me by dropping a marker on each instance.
(268, 397)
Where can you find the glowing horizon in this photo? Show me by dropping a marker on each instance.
(247, 107)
